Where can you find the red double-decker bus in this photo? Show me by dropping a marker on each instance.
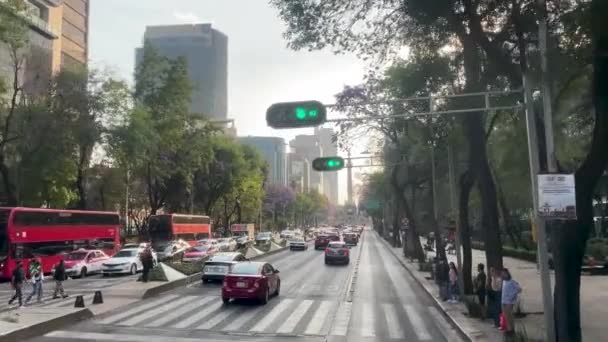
(49, 234)
(169, 227)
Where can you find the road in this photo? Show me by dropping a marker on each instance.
(314, 305)
(73, 287)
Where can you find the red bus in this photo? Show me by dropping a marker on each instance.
(49, 234)
(169, 227)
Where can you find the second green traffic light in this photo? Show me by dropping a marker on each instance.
(328, 164)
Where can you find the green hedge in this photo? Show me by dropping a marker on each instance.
(517, 253)
(187, 268)
(157, 274)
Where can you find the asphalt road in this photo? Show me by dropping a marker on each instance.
(73, 287)
(314, 305)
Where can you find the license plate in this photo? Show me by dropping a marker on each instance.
(241, 284)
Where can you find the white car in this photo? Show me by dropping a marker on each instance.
(172, 248)
(82, 262)
(126, 261)
(141, 247)
(227, 244)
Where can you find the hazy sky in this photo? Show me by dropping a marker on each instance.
(262, 70)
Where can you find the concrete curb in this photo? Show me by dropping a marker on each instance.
(350, 290)
(436, 303)
(44, 327)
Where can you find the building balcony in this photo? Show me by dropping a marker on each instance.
(34, 22)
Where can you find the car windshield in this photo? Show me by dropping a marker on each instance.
(246, 268)
(76, 256)
(199, 249)
(125, 254)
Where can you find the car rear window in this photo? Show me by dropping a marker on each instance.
(246, 268)
(336, 244)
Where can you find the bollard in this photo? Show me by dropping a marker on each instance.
(79, 302)
(98, 298)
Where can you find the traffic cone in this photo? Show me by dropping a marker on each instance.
(79, 302)
(98, 298)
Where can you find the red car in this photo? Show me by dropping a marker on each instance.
(324, 239)
(251, 280)
(199, 252)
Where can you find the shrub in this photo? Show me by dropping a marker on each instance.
(157, 274)
(187, 268)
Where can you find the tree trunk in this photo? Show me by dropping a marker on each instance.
(466, 185)
(81, 190)
(506, 217)
(9, 190)
(478, 158)
(569, 239)
(413, 247)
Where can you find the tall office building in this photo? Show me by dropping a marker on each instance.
(298, 172)
(57, 37)
(330, 148)
(206, 50)
(273, 151)
(308, 147)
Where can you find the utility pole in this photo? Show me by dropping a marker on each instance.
(552, 167)
(349, 170)
(453, 206)
(128, 179)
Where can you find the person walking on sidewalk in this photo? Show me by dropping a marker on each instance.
(36, 276)
(17, 279)
(442, 279)
(494, 295)
(59, 277)
(510, 291)
(453, 275)
(480, 285)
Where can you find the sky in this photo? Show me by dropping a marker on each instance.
(261, 69)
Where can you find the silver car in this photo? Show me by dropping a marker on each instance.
(219, 265)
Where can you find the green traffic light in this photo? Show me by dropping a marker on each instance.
(300, 113)
(331, 163)
(313, 113)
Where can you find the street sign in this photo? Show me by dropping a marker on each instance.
(296, 114)
(556, 197)
(328, 164)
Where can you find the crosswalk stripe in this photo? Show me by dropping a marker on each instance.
(137, 309)
(290, 324)
(271, 316)
(216, 319)
(151, 313)
(186, 323)
(419, 327)
(342, 319)
(392, 321)
(180, 311)
(64, 335)
(244, 318)
(368, 320)
(319, 318)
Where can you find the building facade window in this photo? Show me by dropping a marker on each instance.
(73, 33)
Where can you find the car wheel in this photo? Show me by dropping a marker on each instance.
(225, 300)
(104, 275)
(276, 293)
(83, 272)
(266, 296)
(133, 269)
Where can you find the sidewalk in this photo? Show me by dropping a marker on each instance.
(594, 300)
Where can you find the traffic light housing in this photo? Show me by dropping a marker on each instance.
(296, 114)
(328, 164)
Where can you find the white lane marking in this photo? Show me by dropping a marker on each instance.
(419, 327)
(319, 318)
(368, 320)
(446, 329)
(137, 309)
(179, 312)
(186, 323)
(271, 316)
(342, 319)
(244, 318)
(290, 324)
(392, 321)
(153, 312)
(217, 318)
(91, 336)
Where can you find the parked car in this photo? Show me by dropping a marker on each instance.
(263, 238)
(298, 244)
(83, 262)
(199, 252)
(219, 265)
(337, 252)
(126, 261)
(251, 280)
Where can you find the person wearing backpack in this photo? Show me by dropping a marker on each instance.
(36, 276)
(17, 279)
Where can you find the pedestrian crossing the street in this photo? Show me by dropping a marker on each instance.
(281, 316)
